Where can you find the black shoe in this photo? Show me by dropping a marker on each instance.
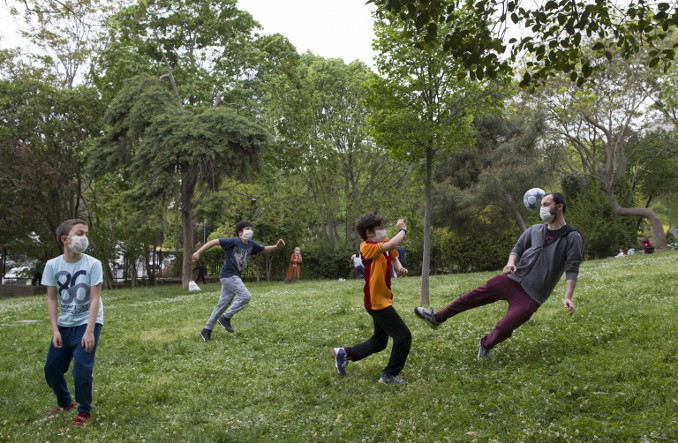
(483, 352)
(206, 334)
(428, 315)
(225, 323)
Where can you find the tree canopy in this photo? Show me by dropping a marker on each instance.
(550, 33)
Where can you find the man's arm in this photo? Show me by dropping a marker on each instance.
(279, 244)
(573, 259)
(521, 245)
(53, 315)
(510, 267)
(569, 292)
(94, 301)
(196, 255)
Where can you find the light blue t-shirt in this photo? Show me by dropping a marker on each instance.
(73, 282)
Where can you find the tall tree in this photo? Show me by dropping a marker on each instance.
(320, 117)
(65, 35)
(422, 105)
(206, 53)
(44, 133)
(170, 151)
(555, 30)
(507, 159)
(596, 121)
(205, 50)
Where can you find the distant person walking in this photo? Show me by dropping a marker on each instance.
(73, 282)
(38, 268)
(202, 273)
(294, 268)
(238, 250)
(535, 265)
(357, 264)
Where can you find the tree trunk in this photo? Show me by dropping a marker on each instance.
(4, 263)
(187, 191)
(516, 213)
(426, 259)
(655, 223)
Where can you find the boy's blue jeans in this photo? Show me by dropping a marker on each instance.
(58, 361)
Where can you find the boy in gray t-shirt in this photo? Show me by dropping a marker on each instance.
(73, 283)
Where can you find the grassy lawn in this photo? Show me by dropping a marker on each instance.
(608, 373)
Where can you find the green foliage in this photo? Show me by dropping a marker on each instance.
(557, 30)
(206, 46)
(44, 133)
(589, 210)
(334, 170)
(655, 174)
(601, 374)
(321, 262)
(419, 101)
(506, 160)
(461, 251)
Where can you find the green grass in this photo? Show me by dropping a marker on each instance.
(608, 373)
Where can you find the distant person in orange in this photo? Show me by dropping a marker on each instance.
(293, 270)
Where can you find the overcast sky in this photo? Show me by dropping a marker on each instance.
(329, 28)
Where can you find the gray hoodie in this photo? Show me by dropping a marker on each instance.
(540, 267)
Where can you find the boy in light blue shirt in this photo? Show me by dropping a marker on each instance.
(73, 283)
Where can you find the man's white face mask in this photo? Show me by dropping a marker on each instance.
(247, 234)
(545, 214)
(78, 244)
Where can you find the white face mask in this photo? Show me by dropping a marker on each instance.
(545, 214)
(247, 234)
(78, 244)
(380, 235)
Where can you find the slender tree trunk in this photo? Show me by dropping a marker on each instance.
(426, 259)
(187, 191)
(516, 213)
(655, 223)
(4, 264)
(330, 228)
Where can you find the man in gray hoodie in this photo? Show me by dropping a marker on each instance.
(540, 257)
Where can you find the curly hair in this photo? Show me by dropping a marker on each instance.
(367, 221)
(241, 225)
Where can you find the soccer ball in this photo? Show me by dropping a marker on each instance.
(532, 198)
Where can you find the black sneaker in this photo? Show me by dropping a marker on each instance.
(428, 315)
(483, 352)
(340, 360)
(387, 379)
(225, 323)
(206, 334)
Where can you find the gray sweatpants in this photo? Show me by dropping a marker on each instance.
(230, 287)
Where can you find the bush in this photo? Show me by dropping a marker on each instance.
(325, 263)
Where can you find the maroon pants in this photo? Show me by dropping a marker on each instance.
(500, 287)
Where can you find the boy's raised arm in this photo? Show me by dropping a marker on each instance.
(397, 239)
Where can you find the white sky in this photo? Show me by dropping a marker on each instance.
(328, 28)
